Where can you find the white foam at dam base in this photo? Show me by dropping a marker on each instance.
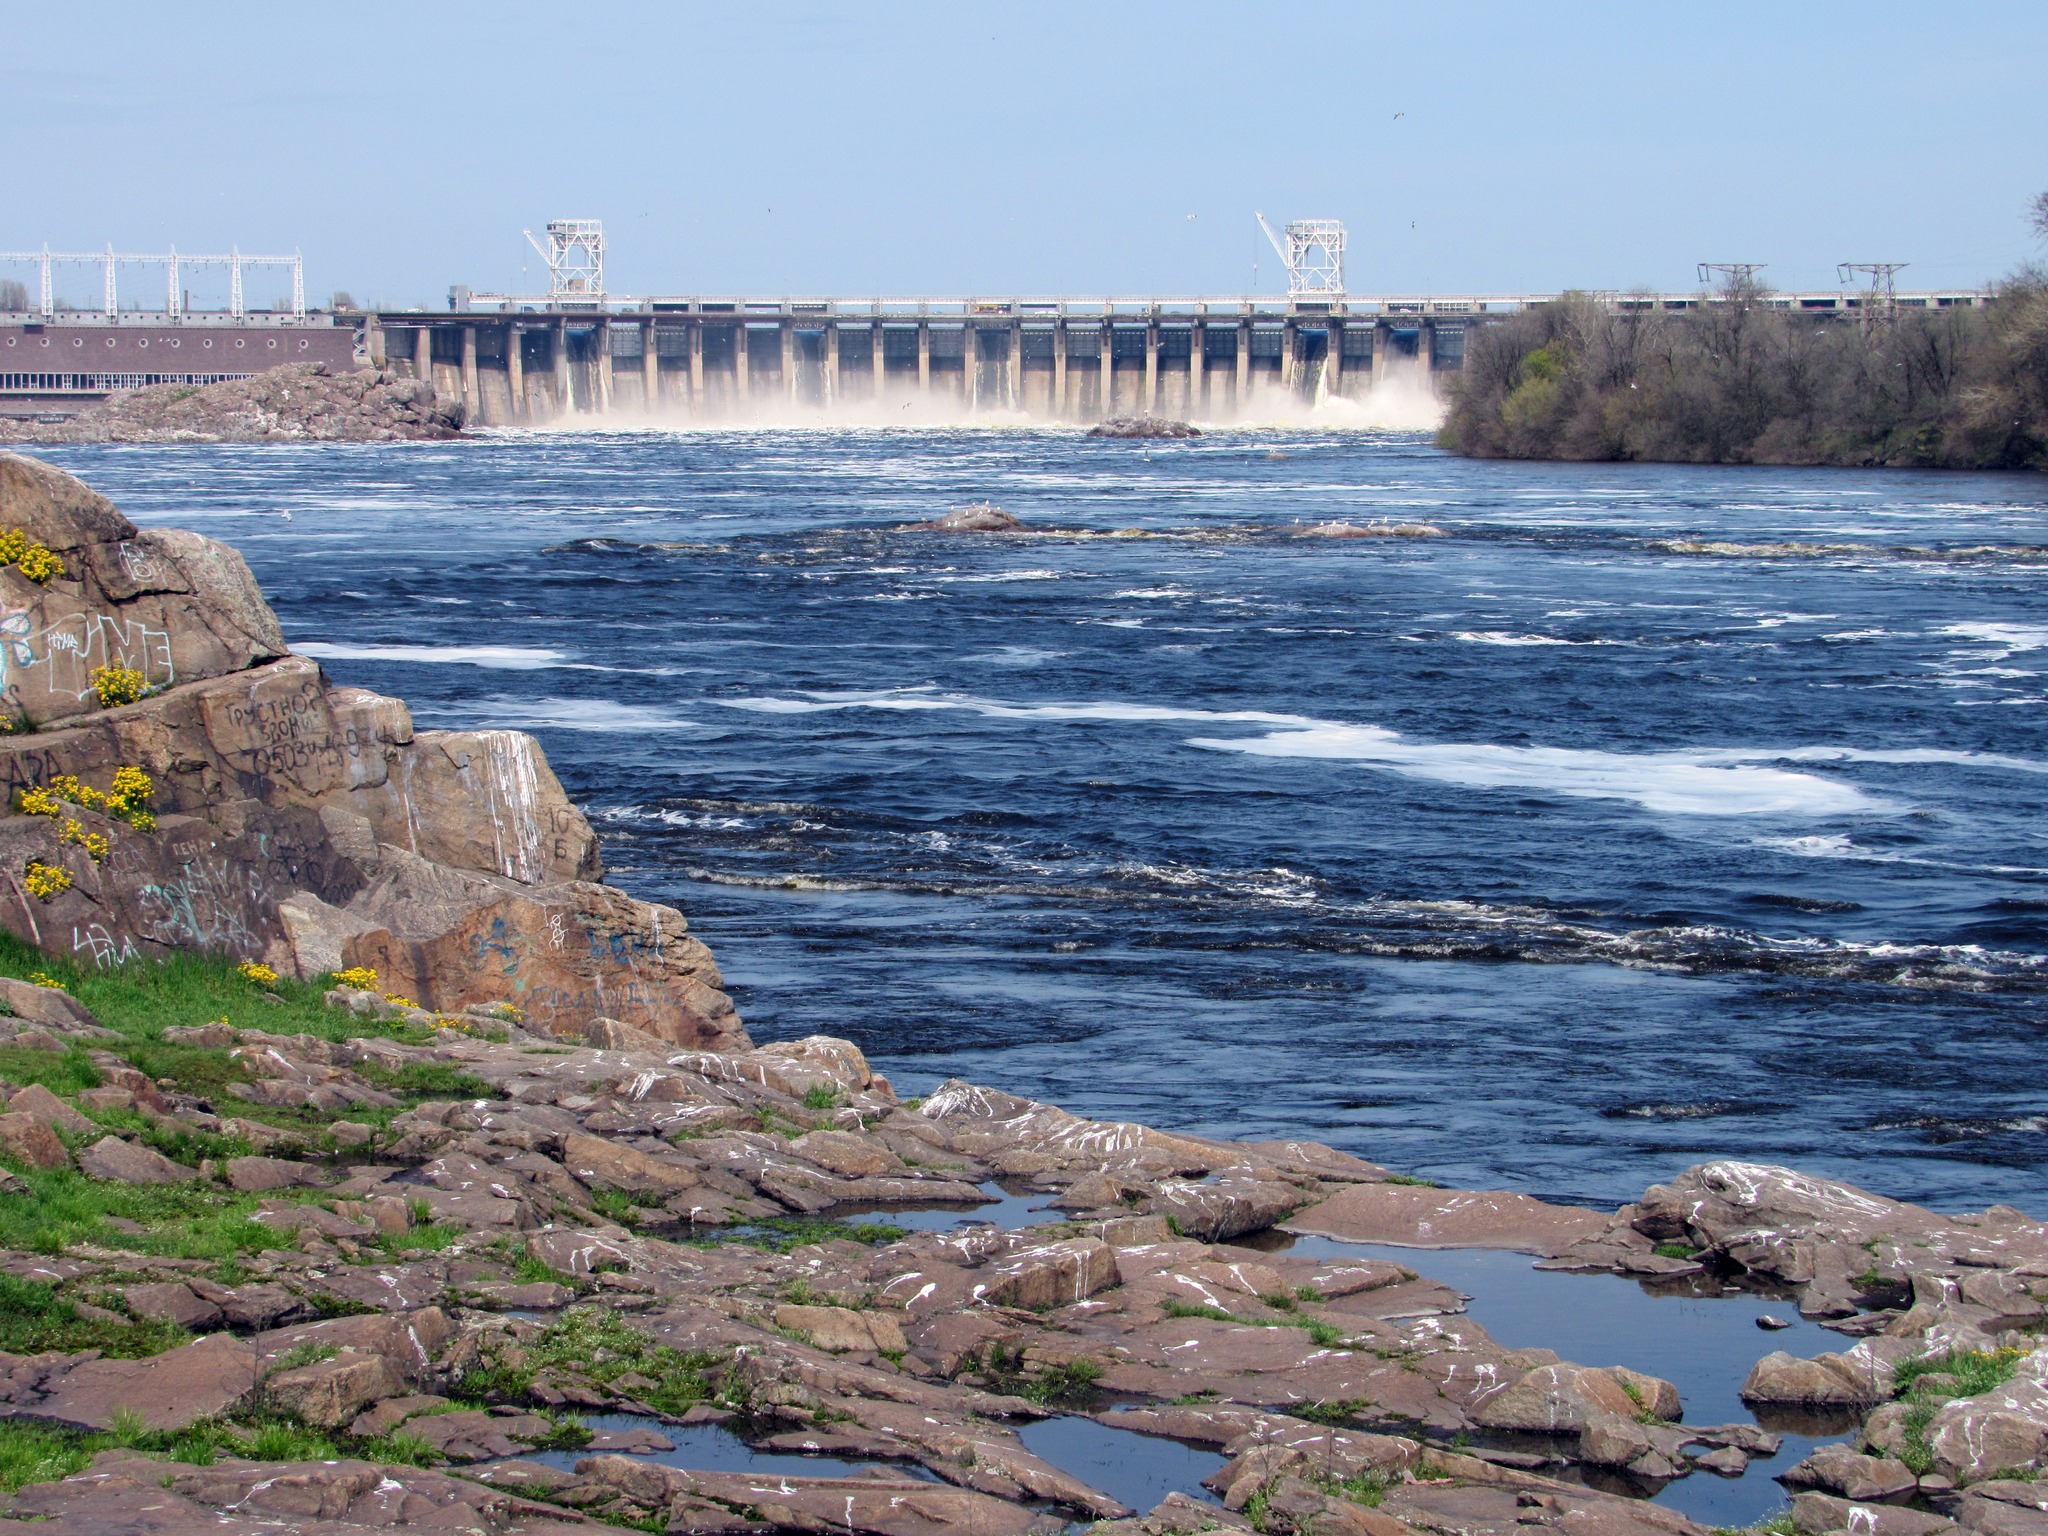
(1401, 402)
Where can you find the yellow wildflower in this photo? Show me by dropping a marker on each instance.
(117, 685)
(94, 843)
(34, 559)
(361, 977)
(45, 881)
(258, 972)
(40, 802)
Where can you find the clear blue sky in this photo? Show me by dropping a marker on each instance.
(1070, 147)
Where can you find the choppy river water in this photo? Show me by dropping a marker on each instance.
(1552, 853)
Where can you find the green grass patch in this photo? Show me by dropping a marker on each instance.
(41, 1453)
(396, 1449)
(142, 998)
(63, 1208)
(432, 1237)
(33, 1318)
(282, 1440)
(774, 1123)
(308, 1353)
(1780, 1524)
(1975, 1370)
(185, 1144)
(1071, 1384)
(822, 1098)
(1174, 1308)
(785, 1232)
(1339, 1413)
(63, 1072)
(569, 1433)
(1406, 1178)
(1326, 1334)
(1675, 1251)
(422, 1080)
(1367, 1487)
(598, 1343)
(530, 1270)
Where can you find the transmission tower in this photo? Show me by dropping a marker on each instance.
(575, 257)
(1883, 297)
(1313, 253)
(1733, 273)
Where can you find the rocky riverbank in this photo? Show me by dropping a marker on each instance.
(444, 1145)
(299, 403)
(330, 1286)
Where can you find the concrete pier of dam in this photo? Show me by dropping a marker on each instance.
(1056, 360)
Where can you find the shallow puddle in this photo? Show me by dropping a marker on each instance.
(1002, 1208)
(713, 1448)
(1139, 1469)
(1704, 1344)
(1702, 1341)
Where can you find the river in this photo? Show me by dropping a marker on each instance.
(1551, 853)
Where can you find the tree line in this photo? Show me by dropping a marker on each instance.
(1737, 380)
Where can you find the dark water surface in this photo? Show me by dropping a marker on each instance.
(1698, 1336)
(1536, 855)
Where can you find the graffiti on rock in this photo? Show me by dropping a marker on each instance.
(210, 904)
(59, 657)
(106, 950)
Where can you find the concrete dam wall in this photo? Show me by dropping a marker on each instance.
(733, 364)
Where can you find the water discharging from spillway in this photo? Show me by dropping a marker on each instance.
(1402, 400)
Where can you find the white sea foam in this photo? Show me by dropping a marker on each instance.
(1675, 783)
(1816, 846)
(572, 715)
(2013, 637)
(1697, 782)
(1502, 637)
(517, 658)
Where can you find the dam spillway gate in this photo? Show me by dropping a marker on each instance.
(1061, 361)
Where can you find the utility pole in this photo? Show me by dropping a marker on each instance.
(1735, 274)
(1881, 302)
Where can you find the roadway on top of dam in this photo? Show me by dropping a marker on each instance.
(1048, 308)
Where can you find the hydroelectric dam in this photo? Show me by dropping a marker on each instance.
(1053, 359)
(580, 352)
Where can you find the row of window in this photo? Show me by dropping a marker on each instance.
(79, 383)
(142, 342)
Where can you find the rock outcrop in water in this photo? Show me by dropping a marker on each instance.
(1143, 426)
(978, 517)
(286, 819)
(298, 403)
(1343, 530)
